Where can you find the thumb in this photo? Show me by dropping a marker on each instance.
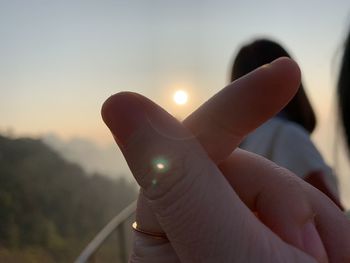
(182, 183)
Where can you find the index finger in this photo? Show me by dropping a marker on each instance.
(221, 123)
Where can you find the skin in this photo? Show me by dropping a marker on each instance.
(205, 197)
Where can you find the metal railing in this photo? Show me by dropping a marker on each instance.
(118, 221)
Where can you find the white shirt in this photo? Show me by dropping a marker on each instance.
(289, 145)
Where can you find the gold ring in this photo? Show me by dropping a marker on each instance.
(148, 233)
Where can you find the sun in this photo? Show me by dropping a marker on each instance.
(180, 97)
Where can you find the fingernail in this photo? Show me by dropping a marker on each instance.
(312, 242)
(123, 113)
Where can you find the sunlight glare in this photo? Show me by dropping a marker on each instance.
(160, 166)
(180, 97)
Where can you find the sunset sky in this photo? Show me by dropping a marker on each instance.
(59, 60)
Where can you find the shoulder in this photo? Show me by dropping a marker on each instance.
(278, 130)
(294, 133)
(296, 150)
(295, 140)
(259, 141)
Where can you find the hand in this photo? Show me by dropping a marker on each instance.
(191, 201)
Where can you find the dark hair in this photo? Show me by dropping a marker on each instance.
(263, 51)
(344, 90)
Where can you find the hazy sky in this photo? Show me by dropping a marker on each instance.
(59, 60)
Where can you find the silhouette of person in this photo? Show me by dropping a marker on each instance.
(285, 138)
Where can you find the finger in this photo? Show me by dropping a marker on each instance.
(181, 184)
(148, 248)
(145, 248)
(222, 122)
(332, 224)
(319, 180)
(279, 199)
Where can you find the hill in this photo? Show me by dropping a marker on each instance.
(49, 207)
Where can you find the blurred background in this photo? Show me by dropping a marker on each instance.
(61, 176)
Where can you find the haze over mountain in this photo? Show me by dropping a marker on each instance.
(94, 158)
